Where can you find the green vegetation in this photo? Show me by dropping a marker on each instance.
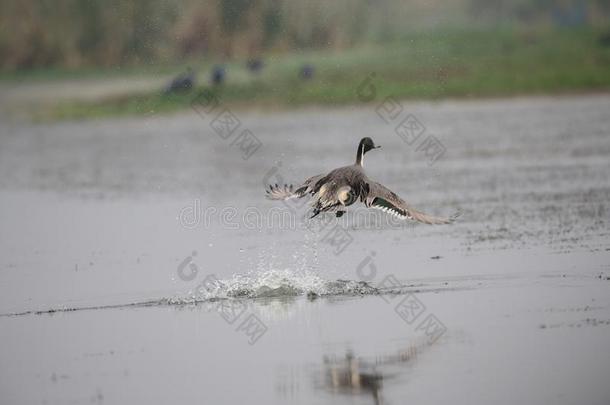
(430, 65)
(417, 49)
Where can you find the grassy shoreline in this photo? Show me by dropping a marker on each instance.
(427, 66)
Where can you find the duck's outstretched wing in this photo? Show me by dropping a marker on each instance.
(287, 191)
(380, 197)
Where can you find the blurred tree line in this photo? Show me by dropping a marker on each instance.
(77, 33)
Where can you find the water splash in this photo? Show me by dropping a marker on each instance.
(275, 283)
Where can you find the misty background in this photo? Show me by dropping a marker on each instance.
(74, 34)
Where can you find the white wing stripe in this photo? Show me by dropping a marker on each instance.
(390, 211)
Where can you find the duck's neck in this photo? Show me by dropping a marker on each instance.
(360, 155)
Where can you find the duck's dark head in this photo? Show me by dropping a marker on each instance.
(366, 144)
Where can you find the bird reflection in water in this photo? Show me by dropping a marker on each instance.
(349, 374)
(353, 376)
(357, 376)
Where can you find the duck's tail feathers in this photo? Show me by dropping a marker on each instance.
(280, 192)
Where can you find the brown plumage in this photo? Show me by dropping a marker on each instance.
(342, 187)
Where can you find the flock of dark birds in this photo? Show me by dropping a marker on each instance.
(187, 80)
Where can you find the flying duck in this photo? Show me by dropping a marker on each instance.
(342, 187)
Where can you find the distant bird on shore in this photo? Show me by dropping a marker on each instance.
(182, 82)
(255, 65)
(604, 40)
(218, 75)
(342, 187)
(307, 71)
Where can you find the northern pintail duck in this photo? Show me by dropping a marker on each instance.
(342, 187)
